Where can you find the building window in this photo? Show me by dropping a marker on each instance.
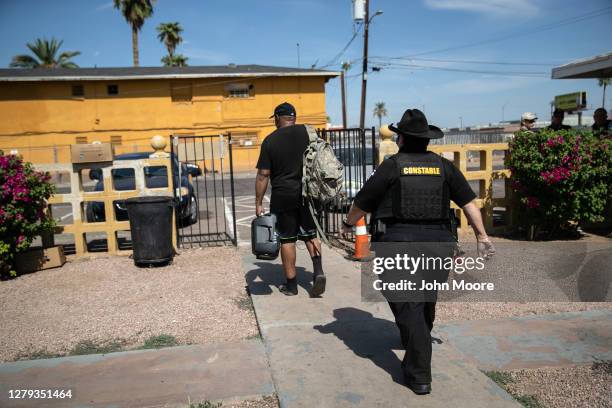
(115, 140)
(112, 89)
(239, 90)
(78, 91)
(81, 140)
(181, 92)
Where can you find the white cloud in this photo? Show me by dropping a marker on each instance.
(491, 7)
(105, 6)
(206, 56)
(96, 53)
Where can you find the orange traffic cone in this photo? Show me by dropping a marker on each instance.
(362, 243)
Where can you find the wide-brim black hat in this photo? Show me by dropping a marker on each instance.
(414, 123)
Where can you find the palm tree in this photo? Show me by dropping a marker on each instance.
(176, 60)
(45, 52)
(170, 35)
(135, 13)
(379, 111)
(604, 82)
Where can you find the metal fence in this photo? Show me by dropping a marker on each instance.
(356, 150)
(207, 210)
(481, 160)
(468, 138)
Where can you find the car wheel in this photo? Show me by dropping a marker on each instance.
(91, 217)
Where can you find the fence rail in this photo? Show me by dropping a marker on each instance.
(483, 167)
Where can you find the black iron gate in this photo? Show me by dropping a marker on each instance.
(356, 149)
(205, 199)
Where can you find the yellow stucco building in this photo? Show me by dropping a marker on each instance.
(44, 111)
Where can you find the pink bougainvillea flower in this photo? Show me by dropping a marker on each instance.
(556, 175)
(533, 202)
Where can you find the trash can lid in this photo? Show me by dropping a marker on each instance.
(148, 199)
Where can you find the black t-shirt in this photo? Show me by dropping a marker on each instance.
(282, 153)
(373, 191)
(560, 127)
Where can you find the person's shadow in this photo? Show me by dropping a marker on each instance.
(267, 275)
(368, 337)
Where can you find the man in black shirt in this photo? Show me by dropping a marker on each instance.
(409, 195)
(556, 121)
(601, 124)
(280, 159)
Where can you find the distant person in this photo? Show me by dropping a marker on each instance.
(281, 159)
(601, 123)
(557, 121)
(528, 120)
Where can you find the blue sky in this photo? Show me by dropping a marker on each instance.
(266, 32)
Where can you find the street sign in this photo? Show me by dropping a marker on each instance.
(575, 101)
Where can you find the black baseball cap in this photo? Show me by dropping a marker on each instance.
(284, 109)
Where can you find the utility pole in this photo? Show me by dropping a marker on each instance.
(298, 54)
(364, 74)
(342, 89)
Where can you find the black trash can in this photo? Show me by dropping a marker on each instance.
(151, 227)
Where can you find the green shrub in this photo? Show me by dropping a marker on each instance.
(163, 340)
(560, 176)
(22, 208)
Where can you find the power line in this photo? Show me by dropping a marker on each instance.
(334, 60)
(549, 26)
(459, 61)
(470, 71)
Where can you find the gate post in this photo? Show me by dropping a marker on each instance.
(231, 163)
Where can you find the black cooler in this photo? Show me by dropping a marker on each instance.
(264, 241)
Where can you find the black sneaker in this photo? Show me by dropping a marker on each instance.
(318, 285)
(284, 289)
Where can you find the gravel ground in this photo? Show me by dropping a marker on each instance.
(457, 311)
(265, 402)
(199, 299)
(578, 386)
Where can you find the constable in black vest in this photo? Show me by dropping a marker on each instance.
(409, 197)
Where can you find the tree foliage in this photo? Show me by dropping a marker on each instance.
(560, 176)
(380, 110)
(135, 13)
(170, 35)
(176, 60)
(22, 211)
(45, 56)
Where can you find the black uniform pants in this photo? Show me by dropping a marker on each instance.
(415, 319)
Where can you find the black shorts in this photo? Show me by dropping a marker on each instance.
(295, 224)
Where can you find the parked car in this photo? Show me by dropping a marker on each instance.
(353, 175)
(155, 177)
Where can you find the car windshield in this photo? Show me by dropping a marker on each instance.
(123, 173)
(353, 157)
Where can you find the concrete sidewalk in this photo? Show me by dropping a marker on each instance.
(337, 351)
(553, 340)
(167, 377)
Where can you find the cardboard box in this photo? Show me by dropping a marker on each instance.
(38, 259)
(91, 153)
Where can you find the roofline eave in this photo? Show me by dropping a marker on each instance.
(329, 74)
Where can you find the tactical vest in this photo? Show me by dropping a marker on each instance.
(419, 194)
